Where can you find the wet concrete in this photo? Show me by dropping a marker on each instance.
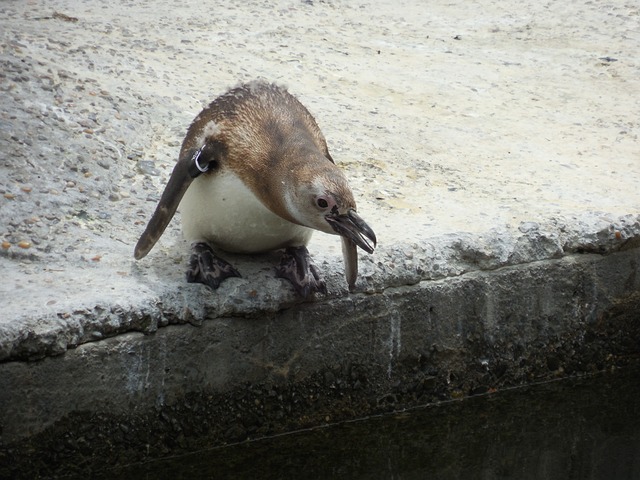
(583, 427)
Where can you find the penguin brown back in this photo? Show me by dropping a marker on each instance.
(254, 174)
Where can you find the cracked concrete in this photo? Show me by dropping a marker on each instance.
(478, 140)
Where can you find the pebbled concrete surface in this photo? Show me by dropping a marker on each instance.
(476, 137)
(472, 136)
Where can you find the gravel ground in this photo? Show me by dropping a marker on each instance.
(475, 135)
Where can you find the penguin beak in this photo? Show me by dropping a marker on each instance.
(351, 226)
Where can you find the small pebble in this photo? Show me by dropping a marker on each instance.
(148, 167)
(6, 245)
(24, 244)
(529, 227)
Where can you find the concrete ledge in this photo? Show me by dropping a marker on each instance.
(136, 396)
(494, 155)
(152, 294)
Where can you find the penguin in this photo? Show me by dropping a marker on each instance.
(254, 175)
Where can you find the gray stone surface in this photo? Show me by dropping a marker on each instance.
(479, 139)
(475, 137)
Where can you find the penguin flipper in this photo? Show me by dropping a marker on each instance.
(186, 170)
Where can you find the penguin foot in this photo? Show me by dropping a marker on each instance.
(296, 266)
(205, 267)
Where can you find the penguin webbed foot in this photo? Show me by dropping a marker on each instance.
(207, 268)
(297, 267)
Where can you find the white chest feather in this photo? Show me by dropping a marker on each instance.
(224, 212)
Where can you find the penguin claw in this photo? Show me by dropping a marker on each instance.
(296, 266)
(207, 268)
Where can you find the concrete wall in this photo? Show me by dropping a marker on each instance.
(137, 396)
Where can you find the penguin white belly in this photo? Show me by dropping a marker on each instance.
(221, 210)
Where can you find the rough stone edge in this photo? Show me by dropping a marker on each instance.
(598, 331)
(33, 337)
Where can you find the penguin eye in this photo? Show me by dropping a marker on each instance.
(322, 203)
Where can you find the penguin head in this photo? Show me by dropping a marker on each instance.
(328, 206)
